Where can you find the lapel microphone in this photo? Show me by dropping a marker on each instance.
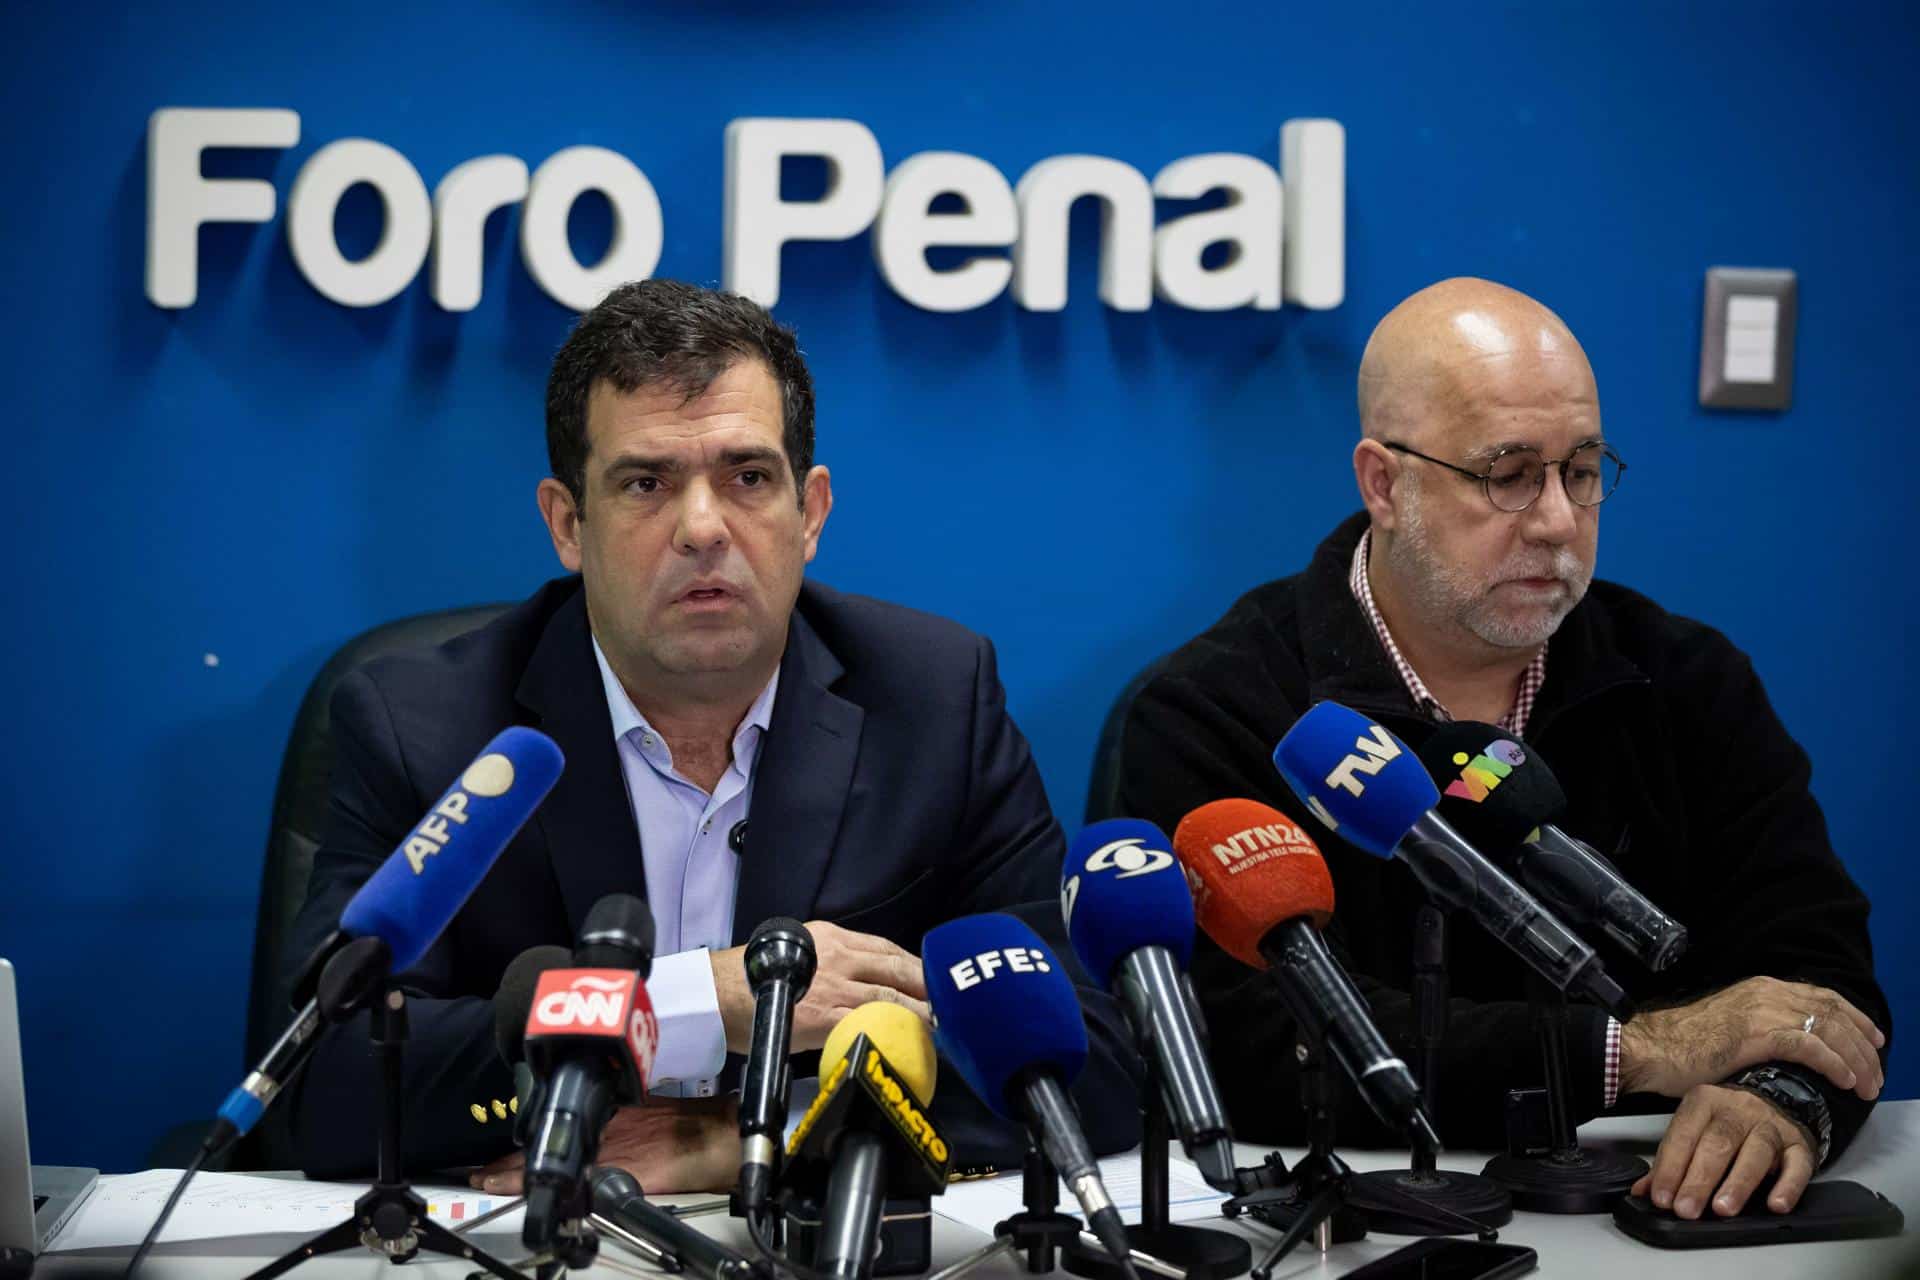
(737, 837)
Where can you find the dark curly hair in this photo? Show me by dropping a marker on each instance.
(666, 331)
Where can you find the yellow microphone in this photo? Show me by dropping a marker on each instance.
(900, 1036)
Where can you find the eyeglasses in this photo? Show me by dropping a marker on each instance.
(1516, 476)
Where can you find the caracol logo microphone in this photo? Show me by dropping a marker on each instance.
(1130, 858)
(488, 777)
(1482, 773)
(989, 965)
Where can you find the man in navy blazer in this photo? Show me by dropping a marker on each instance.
(739, 744)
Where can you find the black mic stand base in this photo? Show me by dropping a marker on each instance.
(1477, 1199)
(1578, 1180)
(1043, 1234)
(1203, 1253)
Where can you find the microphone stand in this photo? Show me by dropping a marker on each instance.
(391, 1218)
(1566, 1177)
(1321, 1194)
(1203, 1251)
(1041, 1231)
(1475, 1197)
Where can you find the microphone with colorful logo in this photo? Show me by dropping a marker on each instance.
(1262, 892)
(866, 1139)
(589, 1036)
(1008, 1019)
(1370, 790)
(1498, 793)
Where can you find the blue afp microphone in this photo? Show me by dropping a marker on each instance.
(1130, 918)
(1007, 1017)
(1366, 787)
(405, 905)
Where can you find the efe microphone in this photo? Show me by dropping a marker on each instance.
(986, 976)
(1263, 893)
(779, 960)
(404, 906)
(1129, 916)
(1369, 789)
(1500, 794)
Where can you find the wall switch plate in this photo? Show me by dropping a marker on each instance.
(1746, 338)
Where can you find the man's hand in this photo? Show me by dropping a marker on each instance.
(851, 969)
(669, 1144)
(1717, 1126)
(1673, 1051)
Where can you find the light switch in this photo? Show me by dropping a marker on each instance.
(1747, 331)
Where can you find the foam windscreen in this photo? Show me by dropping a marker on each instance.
(1493, 788)
(899, 1035)
(1002, 1006)
(1120, 890)
(1251, 868)
(1356, 777)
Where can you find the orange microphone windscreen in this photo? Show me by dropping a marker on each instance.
(1250, 867)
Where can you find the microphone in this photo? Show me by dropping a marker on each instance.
(1009, 1020)
(619, 1199)
(589, 1037)
(1262, 891)
(867, 1135)
(1500, 794)
(403, 907)
(779, 960)
(1129, 916)
(510, 1005)
(1366, 786)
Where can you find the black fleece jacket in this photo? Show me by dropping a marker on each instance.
(1674, 764)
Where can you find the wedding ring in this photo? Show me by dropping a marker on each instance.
(1807, 1026)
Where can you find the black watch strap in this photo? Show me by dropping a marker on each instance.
(1798, 1100)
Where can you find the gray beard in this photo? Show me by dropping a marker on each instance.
(1443, 591)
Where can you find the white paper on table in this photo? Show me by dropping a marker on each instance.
(222, 1205)
(979, 1203)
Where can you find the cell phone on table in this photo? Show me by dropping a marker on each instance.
(1437, 1258)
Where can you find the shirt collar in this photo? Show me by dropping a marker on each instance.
(627, 718)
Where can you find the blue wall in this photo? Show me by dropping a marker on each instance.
(266, 474)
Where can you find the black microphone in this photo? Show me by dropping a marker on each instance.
(779, 961)
(619, 1199)
(511, 1004)
(590, 1036)
(1499, 793)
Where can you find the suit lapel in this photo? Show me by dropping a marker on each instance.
(800, 786)
(587, 819)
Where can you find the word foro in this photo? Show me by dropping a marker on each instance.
(1284, 231)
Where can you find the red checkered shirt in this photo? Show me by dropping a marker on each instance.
(1514, 722)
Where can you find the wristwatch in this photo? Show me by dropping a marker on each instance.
(1802, 1103)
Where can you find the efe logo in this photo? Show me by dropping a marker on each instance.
(986, 966)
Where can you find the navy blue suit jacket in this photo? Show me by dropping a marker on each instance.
(892, 792)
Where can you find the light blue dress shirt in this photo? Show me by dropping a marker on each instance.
(692, 873)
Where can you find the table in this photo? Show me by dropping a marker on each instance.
(1885, 1156)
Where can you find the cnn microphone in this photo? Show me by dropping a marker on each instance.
(618, 1198)
(867, 1136)
(1499, 794)
(1369, 789)
(779, 960)
(1009, 1021)
(403, 907)
(1263, 893)
(590, 1037)
(1129, 916)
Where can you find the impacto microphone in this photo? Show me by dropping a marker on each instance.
(1371, 791)
(866, 1138)
(404, 906)
(1498, 793)
(1130, 918)
(1261, 890)
(1009, 1020)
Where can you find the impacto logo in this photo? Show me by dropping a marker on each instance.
(1480, 774)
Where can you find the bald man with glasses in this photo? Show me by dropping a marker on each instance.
(1465, 591)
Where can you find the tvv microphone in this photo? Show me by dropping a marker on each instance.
(1262, 891)
(403, 907)
(779, 960)
(1129, 916)
(1008, 1019)
(1369, 789)
(1500, 794)
(590, 1036)
(867, 1136)
(618, 1198)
